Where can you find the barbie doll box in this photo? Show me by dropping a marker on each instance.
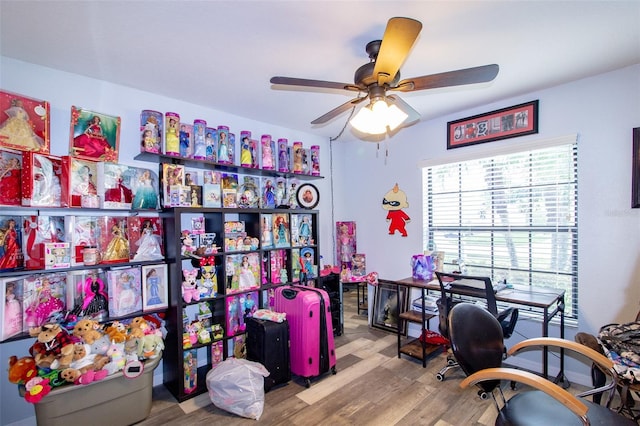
(79, 187)
(24, 125)
(10, 177)
(41, 180)
(115, 183)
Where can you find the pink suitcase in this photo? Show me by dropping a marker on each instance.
(312, 348)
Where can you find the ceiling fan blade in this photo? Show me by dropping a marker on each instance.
(450, 78)
(413, 115)
(399, 37)
(338, 110)
(290, 81)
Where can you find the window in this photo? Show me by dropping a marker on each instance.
(511, 216)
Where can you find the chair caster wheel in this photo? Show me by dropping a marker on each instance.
(451, 362)
(440, 377)
(483, 395)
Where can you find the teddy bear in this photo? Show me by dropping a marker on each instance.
(52, 343)
(87, 330)
(190, 291)
(21, 370)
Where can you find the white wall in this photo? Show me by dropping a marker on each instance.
(63, 90)
(602, 110)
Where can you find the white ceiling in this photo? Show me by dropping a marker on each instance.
(221, 54)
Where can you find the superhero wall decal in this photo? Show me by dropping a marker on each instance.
(394, 201)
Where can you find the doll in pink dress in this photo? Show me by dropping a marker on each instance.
(92, 142)
(44, 305)
(12, 313)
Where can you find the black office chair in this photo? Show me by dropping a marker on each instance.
(478, 345)
(476, 285)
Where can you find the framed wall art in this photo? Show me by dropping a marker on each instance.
(517, 120)
(635, 170)
(94, 136)
(307, 196)
(155, 287)
(386, 310)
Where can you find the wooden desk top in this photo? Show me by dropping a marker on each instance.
(539, 297)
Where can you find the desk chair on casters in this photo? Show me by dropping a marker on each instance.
(478, 345)
(507, 317)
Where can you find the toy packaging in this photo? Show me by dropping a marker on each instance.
(422, 267)
(249, 193)
(199, 139)
(155, 286)
(11, 255)
(41, 180)
(37, 231)
(247, 149)
(145, 238)
(211, 189)
(295, 265)
(268, 148)
(245, 270)
(57, 255)
(115, 185)
(298, 158)
(113, 239)
(292, 193)
(87, 294)
(10, 177)
(234, 235)
(277, 263)
(144, 185)
(125, 291)
(280, 229)
(24, 123)
(301, 230)
(44, 299)
(358, 265)
(267, 193)
(190, 370)
(315, 160)
(211, 144)
(208, 279)
(266, 231)
(240, 307)
(281, 193)
(308, 269)
(79, 182)
(217, 351)
(225, 146)
(11, 309)
(283, 155)
(208, 243)
(171, 137)
(94, 136)
(345, 243)
(151, 131)
(185, 135)
(229, 190)
(172, 175)
(83, 233)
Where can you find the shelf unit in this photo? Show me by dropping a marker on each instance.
(177, 219)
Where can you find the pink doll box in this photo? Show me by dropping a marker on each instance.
(172, 175)
(79, 187)
(171, 134)
(10, 177)
(185, 135)
(283, 155)
(44, 298)
(315, 160)
(41, 180)
(125, 291)
(24, 123)
(268, 148)
(145, 238)
(83, 233)
(12, 257)
(151, 131)
(36, 231)
(11, 309)
(114, 185)
(113, 240)
(211, 142)
(199, 139)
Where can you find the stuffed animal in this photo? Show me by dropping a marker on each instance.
(84, 360)
(190, 292)
(117, 332)
(150, 346)
(138, 328)
(117, 356)
(101, 346)
(21, 370)
(87, 330)
(52, 342)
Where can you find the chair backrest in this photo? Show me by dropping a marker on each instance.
(480, 284)
(476, 340)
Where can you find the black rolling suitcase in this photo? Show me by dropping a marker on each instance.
(267, 342)
(331, 284)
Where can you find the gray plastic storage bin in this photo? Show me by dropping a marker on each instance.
(114, 401)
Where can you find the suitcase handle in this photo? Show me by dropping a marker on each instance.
(289, 293)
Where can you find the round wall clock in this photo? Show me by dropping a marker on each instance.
(307, 196)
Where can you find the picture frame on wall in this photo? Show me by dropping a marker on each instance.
(94, 136)
(635, 171)
(307, 196)
(155, 287)
(386, 310)
(510, 122)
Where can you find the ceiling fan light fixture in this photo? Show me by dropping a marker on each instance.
(377, 116)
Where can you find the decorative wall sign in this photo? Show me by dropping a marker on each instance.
(504, 123)
(307, 196)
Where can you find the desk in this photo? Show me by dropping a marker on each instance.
(548, 301)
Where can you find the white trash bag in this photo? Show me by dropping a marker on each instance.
(237, 386)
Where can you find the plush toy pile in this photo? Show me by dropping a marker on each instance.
(85, 352)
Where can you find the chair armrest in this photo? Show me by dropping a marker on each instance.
(576, 406)
(594, 356)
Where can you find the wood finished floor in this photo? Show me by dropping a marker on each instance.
(372, 387)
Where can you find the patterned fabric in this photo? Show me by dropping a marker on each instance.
(621, 343)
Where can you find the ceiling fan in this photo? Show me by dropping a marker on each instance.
(382, 74)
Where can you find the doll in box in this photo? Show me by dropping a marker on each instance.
(18, 128)
(12, 312)
(95, 301)
(43, 302)
(246, 279)
(10, 180)
(118, 247)
(146, 195)
(149, 244)
(92, 142)
(10, 252)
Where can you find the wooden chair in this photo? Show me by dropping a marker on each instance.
(476, 339)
